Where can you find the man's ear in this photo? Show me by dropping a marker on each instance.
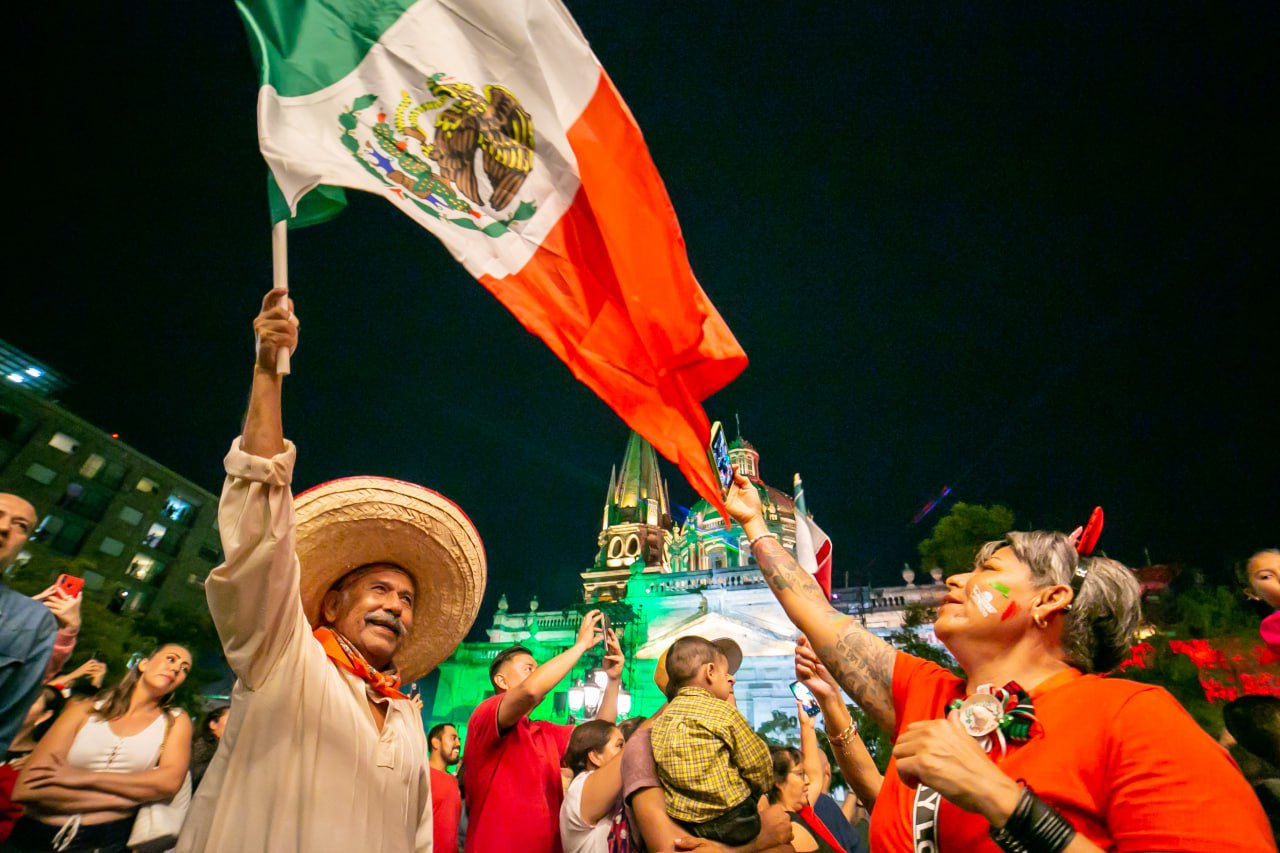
(500, 681)
(329, 606)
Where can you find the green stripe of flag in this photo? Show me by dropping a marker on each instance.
(302, 47)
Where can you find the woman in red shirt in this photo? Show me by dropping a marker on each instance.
(1032, 749)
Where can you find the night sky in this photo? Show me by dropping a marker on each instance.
(1018, 250)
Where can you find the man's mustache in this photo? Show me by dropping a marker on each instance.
(387, 620)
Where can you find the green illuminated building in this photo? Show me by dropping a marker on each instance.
(658, 582)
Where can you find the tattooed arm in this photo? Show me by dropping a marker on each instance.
(860, 661)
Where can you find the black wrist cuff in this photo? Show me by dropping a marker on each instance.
(1034, 827)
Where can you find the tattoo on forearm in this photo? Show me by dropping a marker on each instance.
(782, 572)
(862, 663)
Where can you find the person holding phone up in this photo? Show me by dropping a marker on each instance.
(35, 640)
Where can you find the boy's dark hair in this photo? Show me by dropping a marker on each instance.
(686, 657)
(586, 739)
(1254, 721)
(504, 656)
(437, 730)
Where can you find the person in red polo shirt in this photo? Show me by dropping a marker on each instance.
(446, 797)
(511, 768)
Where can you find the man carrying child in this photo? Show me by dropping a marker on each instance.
(713, 767)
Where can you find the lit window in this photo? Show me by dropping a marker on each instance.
(143, 567)
(148, 486)
(50, 525)
(41, 474)
(114, 547)
(176, 509)
(130, 516)
(154, 534)
(92, 466)
(16, 377)
(34, 372)
(64, 442)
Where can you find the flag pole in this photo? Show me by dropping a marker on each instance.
(280, 279)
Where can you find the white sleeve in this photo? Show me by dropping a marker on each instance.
(253, 596)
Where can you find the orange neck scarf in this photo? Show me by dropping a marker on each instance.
(347, 657)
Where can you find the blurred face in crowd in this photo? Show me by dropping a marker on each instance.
(791, 790)
(612, 747)
(17, 520)
(1264, 578)
(514, 671)
(447, 745)
(165, 670)
(219, 723)
(373, 609)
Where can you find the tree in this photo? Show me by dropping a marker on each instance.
(960, 533)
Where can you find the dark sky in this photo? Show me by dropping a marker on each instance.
(1019, 250)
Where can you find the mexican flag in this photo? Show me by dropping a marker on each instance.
(492, 124)
(813, 546)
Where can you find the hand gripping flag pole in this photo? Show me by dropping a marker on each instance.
(280, 279)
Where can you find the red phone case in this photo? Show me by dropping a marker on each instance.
(70, 585)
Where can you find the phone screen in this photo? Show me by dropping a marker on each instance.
(807, 700)
(604, 626)
(719, 453)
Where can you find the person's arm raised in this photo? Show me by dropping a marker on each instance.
(276, 327)
(525, 696)
(860, 661)
(856, 764)
(613, 661)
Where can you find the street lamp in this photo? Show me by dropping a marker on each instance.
(575, 696)
(624, 703)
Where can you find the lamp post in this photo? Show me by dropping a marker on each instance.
(585, 696)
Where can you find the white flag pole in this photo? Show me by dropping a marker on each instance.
(280, 275)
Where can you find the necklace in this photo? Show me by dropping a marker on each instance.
(996, 715)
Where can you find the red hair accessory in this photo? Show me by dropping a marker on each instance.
(1084, 538)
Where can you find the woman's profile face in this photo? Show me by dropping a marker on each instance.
(611, 748)
(792, 789)
(218, 723)
(992, 600)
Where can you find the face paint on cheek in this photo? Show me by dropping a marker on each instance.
(982, 600)
(1000, 588)
(1009, 611)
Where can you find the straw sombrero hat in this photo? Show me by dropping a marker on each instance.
(728, 645)
(347, 523)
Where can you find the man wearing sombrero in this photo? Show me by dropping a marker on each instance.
(315, 606)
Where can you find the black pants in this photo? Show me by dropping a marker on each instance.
(31, 836)
(740, 825)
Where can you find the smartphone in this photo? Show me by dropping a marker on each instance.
(718, 453)
(806, 698)
(604, 626)
(69, 585)
(412, 690)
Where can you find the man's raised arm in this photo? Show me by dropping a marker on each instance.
(528, 694)
(859, 660)
(253, 595)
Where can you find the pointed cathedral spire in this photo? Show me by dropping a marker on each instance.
(637, 492)
(608, 496)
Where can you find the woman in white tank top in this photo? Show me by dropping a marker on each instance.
(102, 760)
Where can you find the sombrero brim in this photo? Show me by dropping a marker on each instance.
(728, 645)
(347, 523)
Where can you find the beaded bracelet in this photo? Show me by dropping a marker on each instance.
(751, 542)
(845, 736)
(1034, 827)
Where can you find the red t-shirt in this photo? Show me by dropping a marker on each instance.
(446, 811)
(1122, 761)
(512, 783)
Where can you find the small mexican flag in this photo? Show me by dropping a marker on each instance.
(492, 124)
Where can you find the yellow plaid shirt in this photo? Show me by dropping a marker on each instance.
(708, 758)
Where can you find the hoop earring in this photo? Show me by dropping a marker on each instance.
(1039, 620)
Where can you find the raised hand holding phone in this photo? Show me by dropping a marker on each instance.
(718, 453)
(808, 702)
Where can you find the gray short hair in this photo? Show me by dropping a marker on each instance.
(1098, 630)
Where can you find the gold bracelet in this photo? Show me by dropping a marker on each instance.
(843, 738)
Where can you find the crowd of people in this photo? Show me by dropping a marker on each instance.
(329, 603)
